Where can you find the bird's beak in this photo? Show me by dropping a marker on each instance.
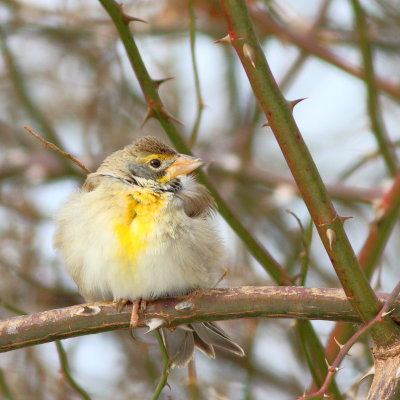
(183, 165)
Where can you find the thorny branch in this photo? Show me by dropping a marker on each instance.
(279, 115)
(209, 305)
(346, 347)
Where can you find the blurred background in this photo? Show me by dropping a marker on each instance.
(64, 72)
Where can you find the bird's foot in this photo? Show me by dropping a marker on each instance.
(121, 304)
(139, 305)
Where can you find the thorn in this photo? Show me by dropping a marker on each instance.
(380, 210)
(338, 343)
(302, 254)
(370, 371)
(345, 218)
(158, 82)
(334, 369)
(128, 18)
(248, 52)
(331, 235)
(388, 312)
(149, 114)
(87, 311)
(327, 364)
(266, 124)
(225, 39)
(154, 323)
(167, 115)
(303, 396)
(293, 103)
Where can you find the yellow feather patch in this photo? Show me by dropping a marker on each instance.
(135, 226)
(159, 156)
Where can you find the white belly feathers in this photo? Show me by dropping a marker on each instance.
(179, 253)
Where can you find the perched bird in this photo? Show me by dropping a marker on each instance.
(140, 228)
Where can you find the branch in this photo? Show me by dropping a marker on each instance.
(199, 97)
(387, 214)
(344, 349)
(52, 146)
(209, 305)
(32, 109)
(166, 366)
(65, 368)
(251, 173)
(307, 44)
(373, 106)
(329, 224)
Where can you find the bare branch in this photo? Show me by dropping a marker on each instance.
(57, 149)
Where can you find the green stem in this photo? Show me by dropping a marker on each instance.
(271, 25)
(5, 387)
(306, 237)
(374, 110)
(200, 104)
(156, 109)
(193, 384)
(388, 210)
(370, 254)
(166, 366)
(11, 308)
(18, 80)
(362, 161)
(315, 355)
(329, 225)
(66, 371)
(313, 350)
(61, 354)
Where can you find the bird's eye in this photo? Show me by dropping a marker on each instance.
(155, 162)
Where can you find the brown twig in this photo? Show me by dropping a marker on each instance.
(57, 149)
(346, 347)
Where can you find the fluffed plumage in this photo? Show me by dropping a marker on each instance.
(140, 228)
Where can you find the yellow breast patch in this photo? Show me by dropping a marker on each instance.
(137, 223)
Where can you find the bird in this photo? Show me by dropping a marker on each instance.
(141, 228)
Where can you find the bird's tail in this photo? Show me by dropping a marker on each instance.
(205, 336)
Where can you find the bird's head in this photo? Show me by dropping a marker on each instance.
(149, 162)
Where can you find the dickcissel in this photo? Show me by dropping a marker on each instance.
(140, 228)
